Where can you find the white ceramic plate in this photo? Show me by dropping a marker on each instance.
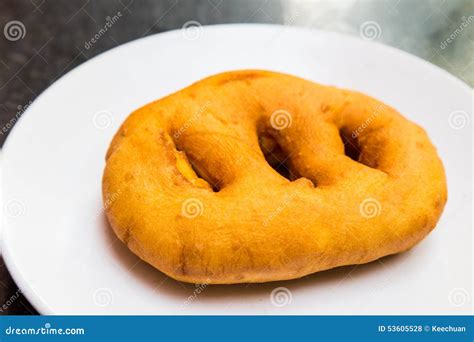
(56, 241)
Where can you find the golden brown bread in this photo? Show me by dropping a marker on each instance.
(204, 198)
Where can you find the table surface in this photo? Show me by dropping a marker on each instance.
(43, 40)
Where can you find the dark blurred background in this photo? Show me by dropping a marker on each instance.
(42, 40)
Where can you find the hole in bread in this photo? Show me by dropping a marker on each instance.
(202, 174)
(195, 175)
(276, 157)
(351, 144)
